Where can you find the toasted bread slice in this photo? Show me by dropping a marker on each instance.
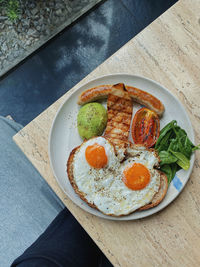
(119, 107)
(158, 197)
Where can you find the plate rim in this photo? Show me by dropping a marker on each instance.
(68, 94)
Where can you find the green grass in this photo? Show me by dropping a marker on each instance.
(11, 8)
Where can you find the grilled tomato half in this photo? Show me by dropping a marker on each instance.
(145, 127)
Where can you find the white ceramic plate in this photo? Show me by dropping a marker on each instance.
(64, 137)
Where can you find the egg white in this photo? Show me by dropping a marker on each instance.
(104, 187)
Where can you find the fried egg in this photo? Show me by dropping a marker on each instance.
(115, 188)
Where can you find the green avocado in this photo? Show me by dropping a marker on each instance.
(91, 120)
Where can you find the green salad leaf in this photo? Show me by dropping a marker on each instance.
(182, 161)
(164, 131)
(196, 148)
(166, 157)
(170, 170)
(175, 149)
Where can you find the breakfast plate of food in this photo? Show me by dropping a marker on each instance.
(121, 147)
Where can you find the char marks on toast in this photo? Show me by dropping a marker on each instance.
(119, 108)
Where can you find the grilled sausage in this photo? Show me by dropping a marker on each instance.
(138, 95)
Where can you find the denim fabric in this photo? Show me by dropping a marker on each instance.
(27, 204)
(63, 244)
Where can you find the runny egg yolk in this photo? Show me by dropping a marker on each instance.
(136, 177)
(96, 156)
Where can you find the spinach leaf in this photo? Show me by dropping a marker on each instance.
(174, 168)
(179, 131)
(185, 146)
(182, 161)
(166, 158)
(163, 132)
(169, 170)
(173, 145)
(175, 149)
(196, 147)
(164, 143)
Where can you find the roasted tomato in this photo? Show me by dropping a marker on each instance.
(145, 127)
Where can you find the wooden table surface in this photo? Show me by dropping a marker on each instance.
(167, 51)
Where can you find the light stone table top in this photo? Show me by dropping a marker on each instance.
(167, 51)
